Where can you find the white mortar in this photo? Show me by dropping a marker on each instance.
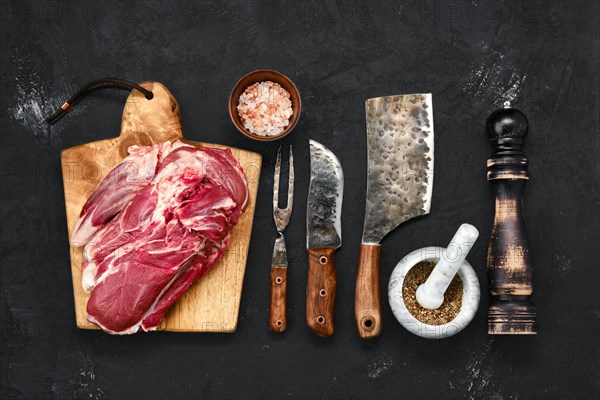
(470, 299)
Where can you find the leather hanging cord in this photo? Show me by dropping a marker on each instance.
(93, 85)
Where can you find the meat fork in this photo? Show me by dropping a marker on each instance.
(277, 312)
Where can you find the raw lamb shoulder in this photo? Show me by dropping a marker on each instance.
(156, 223)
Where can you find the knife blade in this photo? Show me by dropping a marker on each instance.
(399, 188)
(323, 236)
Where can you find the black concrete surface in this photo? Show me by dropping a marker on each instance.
(542, 55)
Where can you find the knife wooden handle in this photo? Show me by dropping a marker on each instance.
(277, 310)
(320, 292)
(367, 300)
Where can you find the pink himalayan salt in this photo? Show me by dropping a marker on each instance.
(265, 108)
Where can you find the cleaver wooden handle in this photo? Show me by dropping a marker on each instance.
(367, 300)
(320, 291)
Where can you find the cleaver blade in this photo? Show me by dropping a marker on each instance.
(399, 188)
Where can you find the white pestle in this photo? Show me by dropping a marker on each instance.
(430, 295)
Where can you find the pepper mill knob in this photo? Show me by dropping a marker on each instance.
(510, 270)
(507, 123)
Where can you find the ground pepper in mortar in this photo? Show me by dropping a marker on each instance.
(452, 298)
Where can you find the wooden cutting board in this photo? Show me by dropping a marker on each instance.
(212, 303)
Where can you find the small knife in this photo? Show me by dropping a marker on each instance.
(323, 236)
(399, 188)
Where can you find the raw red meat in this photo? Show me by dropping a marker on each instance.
(165, 226)
(119, 187)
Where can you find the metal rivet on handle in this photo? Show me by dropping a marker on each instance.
(368, 323)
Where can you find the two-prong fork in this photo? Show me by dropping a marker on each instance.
(277, 312)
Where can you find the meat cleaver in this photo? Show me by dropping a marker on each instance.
(323, 236)
(399, 187)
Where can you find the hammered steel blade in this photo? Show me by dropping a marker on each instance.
(325, 194)
(400, 162)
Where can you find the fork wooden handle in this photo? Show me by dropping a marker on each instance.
(277, 310)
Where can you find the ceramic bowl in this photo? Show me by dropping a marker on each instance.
(262, 75)
(470, 298)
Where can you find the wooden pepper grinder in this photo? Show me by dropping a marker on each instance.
(509, 265)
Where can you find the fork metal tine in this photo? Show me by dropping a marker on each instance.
(282, 215)
(290, 200)
(276, 181)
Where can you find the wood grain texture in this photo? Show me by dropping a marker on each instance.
(367, 299)
(278, 307)
(510, 271)
(320, 291)
(211, 304)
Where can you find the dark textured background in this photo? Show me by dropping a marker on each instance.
(542, 55)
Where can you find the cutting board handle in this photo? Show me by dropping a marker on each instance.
(147, 122)
(86, 89)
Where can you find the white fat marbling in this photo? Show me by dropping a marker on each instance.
(470, 300)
